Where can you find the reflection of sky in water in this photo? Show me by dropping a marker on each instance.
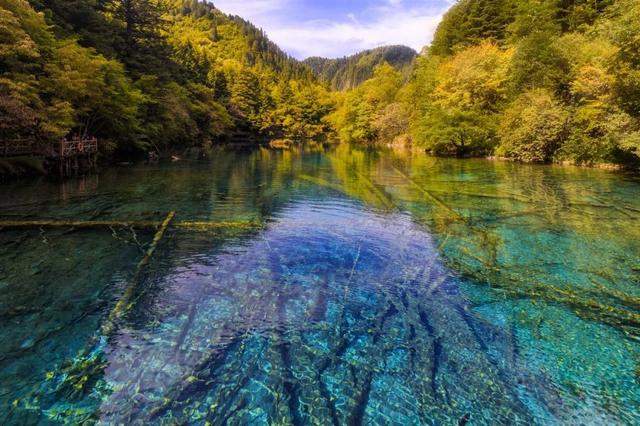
(365, 298)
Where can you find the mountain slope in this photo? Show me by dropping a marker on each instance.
(469, 22)
(349, 72)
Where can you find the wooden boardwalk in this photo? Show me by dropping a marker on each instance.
(64, 149)
(16, 148)
(69, 155)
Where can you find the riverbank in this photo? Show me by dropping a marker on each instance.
(600, 166)
(16, 168)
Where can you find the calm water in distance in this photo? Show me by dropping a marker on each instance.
(324, 286)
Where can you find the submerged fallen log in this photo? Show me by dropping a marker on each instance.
(74, 377)
(212, 226)
(126, 300)
(608, 306)
(372, 194)
(378, 193)
(585, 304)
(321, 182)
(17, 224)
(430, 196)
(149, 225)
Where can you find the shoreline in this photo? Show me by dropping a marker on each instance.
(13, 169)
(612, 167)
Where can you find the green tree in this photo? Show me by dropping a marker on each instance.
(246, 96)
(463, 96)
(458, 132)
(358, 109)
(601, 133)
(533, 127)
(104, 102)
(470, 22)
(537, 63)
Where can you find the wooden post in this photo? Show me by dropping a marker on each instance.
(58, 159)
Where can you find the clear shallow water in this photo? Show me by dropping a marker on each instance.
(379, 287)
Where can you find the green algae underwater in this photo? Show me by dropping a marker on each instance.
(322, 286)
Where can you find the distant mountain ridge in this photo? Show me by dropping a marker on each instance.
(349, 72)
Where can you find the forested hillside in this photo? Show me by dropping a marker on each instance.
(531, 80)
(148, 75)
(349, 72)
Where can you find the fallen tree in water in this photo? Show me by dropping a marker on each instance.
(75, 377)
(620, 313)
(149, 225)
(477, 248)
(127, 299)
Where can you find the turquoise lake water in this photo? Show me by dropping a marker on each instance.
(323, 286)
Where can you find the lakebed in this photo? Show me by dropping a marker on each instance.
(322, 285)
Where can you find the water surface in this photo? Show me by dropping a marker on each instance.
(324, 286)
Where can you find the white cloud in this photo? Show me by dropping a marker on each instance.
(390, 22)
(250, 8)
(333, 39)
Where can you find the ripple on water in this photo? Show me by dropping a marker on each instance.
(337, 311)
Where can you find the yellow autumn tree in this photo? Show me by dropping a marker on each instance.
(469, 89)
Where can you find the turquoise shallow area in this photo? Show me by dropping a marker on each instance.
(323, 286)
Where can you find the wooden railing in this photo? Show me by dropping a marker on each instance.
(17, 147)
(71, 148)
(63, 149)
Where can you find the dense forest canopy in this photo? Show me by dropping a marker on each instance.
(351, 71)
(530, 80)
(148, 74)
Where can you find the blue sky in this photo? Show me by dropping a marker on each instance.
(334, 28)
